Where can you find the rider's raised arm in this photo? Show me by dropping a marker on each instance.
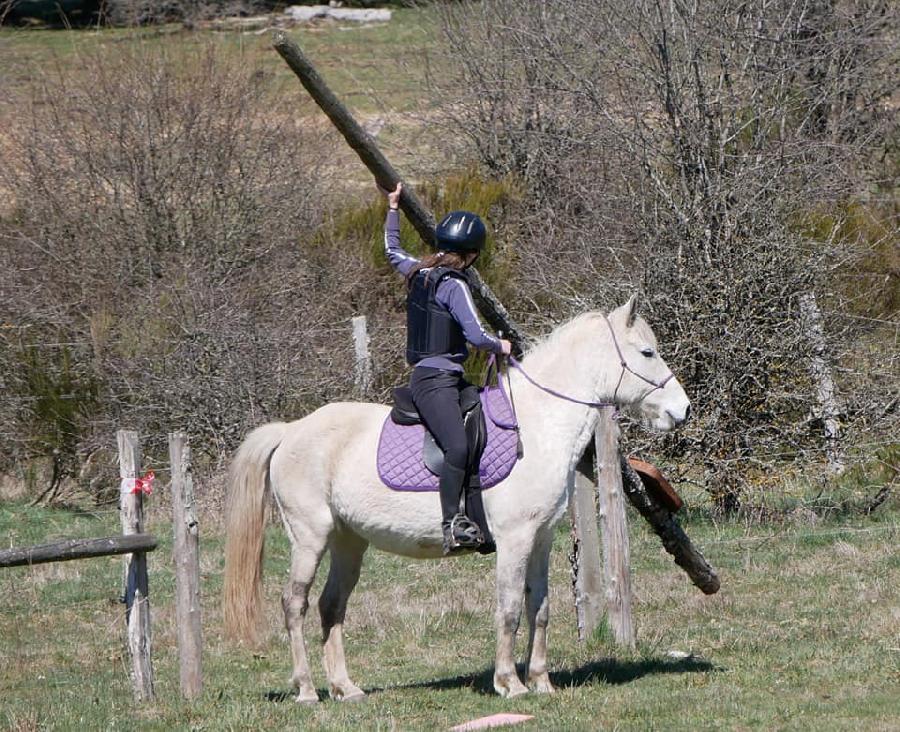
(399, 258)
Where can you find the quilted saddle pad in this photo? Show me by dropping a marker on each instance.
(399, 457)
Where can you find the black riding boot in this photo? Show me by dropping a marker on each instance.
(459, 531)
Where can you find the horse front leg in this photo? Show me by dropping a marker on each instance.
(511, 568)
(537, 605)
(347, 552)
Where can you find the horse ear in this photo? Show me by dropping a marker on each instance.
(631, 310)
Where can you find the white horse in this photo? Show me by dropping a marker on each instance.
(322, 472)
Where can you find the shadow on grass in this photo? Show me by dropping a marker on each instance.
(607, 670)
(613, 671)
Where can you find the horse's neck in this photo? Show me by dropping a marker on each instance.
(575, 365)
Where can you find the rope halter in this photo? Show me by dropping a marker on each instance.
(625, 367)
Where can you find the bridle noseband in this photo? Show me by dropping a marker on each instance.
(625, 367)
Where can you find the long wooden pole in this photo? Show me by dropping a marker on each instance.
(63, 551)
(187, 567)
(362, 143)
(423, 221)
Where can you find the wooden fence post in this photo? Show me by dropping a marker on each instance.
(137, 600)
(614, 529)
(820, 370)
(187, 567)
(363, 361)
(588, 579)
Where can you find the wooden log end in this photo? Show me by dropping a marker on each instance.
(711, 586)
(656, 484)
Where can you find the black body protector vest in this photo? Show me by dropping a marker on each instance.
(430, 328)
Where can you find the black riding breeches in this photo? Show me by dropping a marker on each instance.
(436, 394)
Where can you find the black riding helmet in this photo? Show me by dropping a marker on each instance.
(461, 231)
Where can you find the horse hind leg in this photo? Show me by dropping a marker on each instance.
(347, 552)
(295, 602)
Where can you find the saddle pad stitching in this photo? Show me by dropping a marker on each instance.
(399, 461)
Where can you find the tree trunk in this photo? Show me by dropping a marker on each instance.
(821, 374)
(385, 176)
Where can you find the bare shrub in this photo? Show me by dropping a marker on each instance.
(682, 149)
(154, 273)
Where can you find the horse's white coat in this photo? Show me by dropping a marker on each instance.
(323, 474)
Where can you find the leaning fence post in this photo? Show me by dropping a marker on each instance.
(363, 361)
(187, 567)
(137, 600)
(613, 529)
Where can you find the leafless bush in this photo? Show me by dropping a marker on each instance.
(154, 275)
(690, 150)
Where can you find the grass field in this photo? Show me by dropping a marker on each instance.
(805, 634)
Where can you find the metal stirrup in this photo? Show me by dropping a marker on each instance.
(465, 532)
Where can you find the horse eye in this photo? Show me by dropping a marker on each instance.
(648, 352)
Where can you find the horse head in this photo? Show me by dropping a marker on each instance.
(645, 388)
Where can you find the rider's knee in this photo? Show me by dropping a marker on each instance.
(457, 455)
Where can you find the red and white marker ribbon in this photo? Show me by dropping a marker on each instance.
(139, 485)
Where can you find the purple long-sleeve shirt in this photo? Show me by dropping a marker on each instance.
(451, 292)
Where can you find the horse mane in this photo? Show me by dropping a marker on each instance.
(558, 337)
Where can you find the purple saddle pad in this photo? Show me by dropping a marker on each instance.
(400, 463)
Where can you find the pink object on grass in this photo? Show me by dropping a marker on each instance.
(495, 720)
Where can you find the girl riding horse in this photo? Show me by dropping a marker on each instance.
(441, 319)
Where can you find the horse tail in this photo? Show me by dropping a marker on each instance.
(248, 489)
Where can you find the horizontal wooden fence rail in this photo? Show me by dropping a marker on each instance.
(61, 551)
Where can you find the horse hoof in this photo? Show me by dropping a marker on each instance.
(352, 694)
(305, 698)
(509, 687)
(542, 685)
(517, 691)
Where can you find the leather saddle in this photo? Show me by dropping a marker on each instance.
(404, 412)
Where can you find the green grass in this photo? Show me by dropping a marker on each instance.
(803, 635)
(373, 67)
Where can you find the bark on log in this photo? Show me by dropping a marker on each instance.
(63, 551)
(675, 541)
(386, 177)
(666, 526)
